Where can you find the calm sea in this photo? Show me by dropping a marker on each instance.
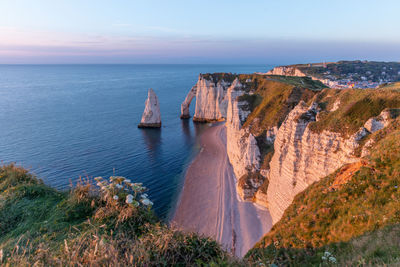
(68, 121)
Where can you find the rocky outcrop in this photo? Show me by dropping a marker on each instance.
(186, 103)
(151, 117)
(379, 122)
(302, 157)
(211, 100)
(242, 148)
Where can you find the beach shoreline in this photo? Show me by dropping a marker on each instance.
(209, 204)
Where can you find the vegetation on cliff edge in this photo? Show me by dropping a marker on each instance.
(355, 107)
(44, 227)
(270, 99)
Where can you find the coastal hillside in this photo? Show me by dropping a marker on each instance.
(284, 133)
(304, 151)
(351, 215)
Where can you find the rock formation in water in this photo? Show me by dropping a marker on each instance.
(185, 114)
(210, 92)
(151, 117)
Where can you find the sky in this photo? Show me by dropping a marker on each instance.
(205, 32)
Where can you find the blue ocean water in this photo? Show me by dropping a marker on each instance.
(68, 121)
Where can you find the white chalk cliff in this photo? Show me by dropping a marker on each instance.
(211, 102)
(185, 114)
(151, 117)
(242, 148)
(293, 71)
(286, 71)
(300, 155)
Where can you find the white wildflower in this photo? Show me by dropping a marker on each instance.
(128, 200)
(127, 181)
(147, 202)
(144, 195)
(115, 197)
(332, 259)
(119, 186)
(327, 254)
(323, 258)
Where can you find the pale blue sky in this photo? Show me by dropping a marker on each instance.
(150, 31)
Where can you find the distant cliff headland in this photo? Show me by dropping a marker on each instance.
(324, 161)
(345, 74)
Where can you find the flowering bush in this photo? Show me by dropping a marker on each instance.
(119, 190)
(329, 257)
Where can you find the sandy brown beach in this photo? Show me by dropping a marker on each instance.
(209, 203)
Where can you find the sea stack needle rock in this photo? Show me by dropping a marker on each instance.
(151, 117)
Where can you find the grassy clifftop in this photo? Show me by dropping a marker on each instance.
(273, 97)
(354, 214)
(45, 227)
(354, 108)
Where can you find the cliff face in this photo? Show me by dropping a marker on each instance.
(285, 133)
(242, 148)
(211, 101)
(302, 157)
(286, 71)
(247, 144)
(294, 71)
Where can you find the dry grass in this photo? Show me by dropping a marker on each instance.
(43, 227)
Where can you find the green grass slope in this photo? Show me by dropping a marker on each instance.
(44, 227)
(356, 106)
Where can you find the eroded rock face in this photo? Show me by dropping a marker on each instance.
(375, 124)
(302, 157)
(211, 100)
(379, 122)
(243, 152)
(287, 71)
(151, 117)
(186, 103)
